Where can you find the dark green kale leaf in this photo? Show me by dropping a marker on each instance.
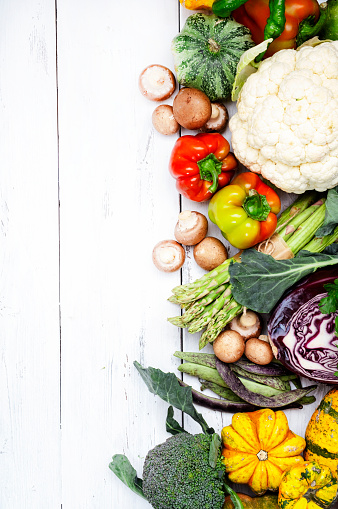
(172, 426)
(123, 469)
(259, 281)
(167, 387)
(331, 213)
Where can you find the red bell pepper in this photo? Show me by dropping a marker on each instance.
(201, 165)
(301, 17)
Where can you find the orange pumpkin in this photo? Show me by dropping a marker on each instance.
(265, 502)
(259, 447)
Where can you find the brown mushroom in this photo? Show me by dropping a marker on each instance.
(164, 120)
(218, 120)
(191, 227)
(248, 324)
(210, 253)
(229, 346)
(157, 82)
(168, 255)
(192, 108)
(258, 351)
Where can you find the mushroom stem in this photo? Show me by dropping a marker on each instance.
(248, 318)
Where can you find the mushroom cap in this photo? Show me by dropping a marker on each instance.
(247, 332)
(191, 227)
(218, 120)
(229, 346)
(210, 253)
(157, 82)
(168, 255)
(192, 108)
(164, 121)
(258, 351)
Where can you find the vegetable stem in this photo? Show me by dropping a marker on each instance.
(306, 231)
(296, 208)
(318, 244)
(181, 289)
(298, 221)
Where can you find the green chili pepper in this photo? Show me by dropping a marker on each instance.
(224, 8)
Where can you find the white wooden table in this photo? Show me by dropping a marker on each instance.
(85, 194)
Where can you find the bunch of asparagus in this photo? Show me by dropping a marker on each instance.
(208, 302)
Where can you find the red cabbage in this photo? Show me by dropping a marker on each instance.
(303, 338)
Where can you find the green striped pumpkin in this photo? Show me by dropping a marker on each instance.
(322, 433)
(207, 51)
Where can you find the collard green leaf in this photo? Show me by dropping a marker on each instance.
(332, 249)
(123, 469)
(331, 213)
(172, 426)
(167, 387)
(214, 452)
(259, 281)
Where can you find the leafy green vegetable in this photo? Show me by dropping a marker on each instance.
(123, 469)
(329, 304)
(172, 426)
(331, 213)
(168, 388)
(247, 66)
(234, 497)
(259, 281)
(214, 452)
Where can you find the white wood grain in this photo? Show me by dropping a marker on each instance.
(30, 463)
(117, 201)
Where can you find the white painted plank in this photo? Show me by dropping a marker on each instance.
(29, 289)
(117, 201)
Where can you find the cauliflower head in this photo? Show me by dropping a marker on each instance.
(286, 125)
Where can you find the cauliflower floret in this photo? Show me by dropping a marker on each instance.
(286, 125)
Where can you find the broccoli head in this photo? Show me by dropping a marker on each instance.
(178, 474)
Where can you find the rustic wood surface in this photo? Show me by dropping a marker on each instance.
(85, 194)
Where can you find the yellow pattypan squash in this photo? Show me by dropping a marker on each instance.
(259, 447)
(307, 486)
(197, 4)
(322, 433)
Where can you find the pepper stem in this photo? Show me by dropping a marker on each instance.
(256, 206)
(210, 167)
